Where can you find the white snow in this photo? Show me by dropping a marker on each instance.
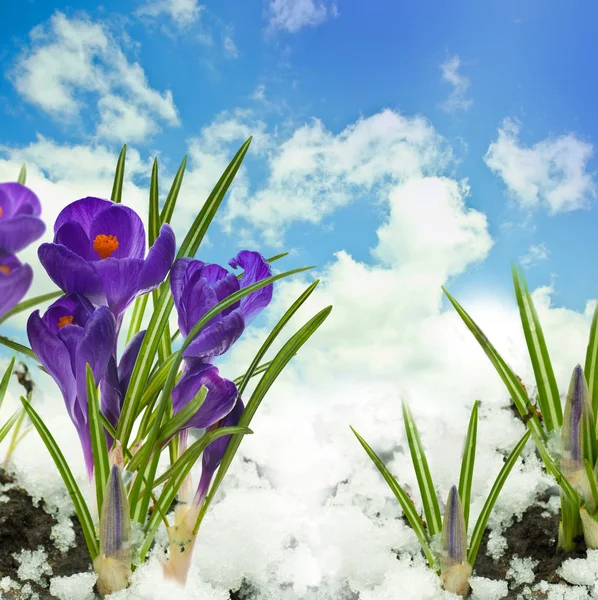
(483, 588)
(33, 565)
(521, 570)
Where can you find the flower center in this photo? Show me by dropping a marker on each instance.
(105, 245)
(3, 268)
(64, 321)
(1, 211)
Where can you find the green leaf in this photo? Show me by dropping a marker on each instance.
(173, 194)
(30, 303)
(591, 364)
(516, 391)
(467, 463)
(69, 481)
(258, 371)
(178, 474)
(22, 178)
(4, 430)
(592, 480)
(548, 391)
(101, 467)
(157, 380)
(162, 311)
(274, 334)
(6, 379)
(137, 318)
(18, 347)
(422, 471)
(285, 354)
(177, 421)
(119, 176)
(404, 500)
(480, 526)
(153, 228)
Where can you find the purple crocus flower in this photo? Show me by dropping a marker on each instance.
(20, 224)
(116, 381)
(70, 335)
(197, 287)
(99, 250)
(15, 281)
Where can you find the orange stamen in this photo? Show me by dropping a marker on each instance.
(4, 269)
(64, 321)
(105, 245)
(1, 211)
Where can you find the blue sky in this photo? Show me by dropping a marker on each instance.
(277, 66)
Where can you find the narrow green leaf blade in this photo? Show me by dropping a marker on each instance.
(591, 364)
(137, 317)
(480, 526)
(173, 194)
(404, 500)
(468, 462)
(119, 177)
(177, 421)
(69, 481)
(422, 472)
(6, 379)
(18, 347)
(30, 303)
(5, 429)
(22, 178)
(548, 391)
(153, 228)
(592, 479)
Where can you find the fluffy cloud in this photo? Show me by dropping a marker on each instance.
(534, 254)
(73, 63)
(182, 12)
(293, 15)
(457, 99)
(552, 173)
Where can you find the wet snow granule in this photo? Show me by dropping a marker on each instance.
(483, 588)
(522, 570)
(497, 544)
(34, 566)
(75, 587)
(580, 571)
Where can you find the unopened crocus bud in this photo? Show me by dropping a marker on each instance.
(113, 564)
(577, 414)
(455, 571)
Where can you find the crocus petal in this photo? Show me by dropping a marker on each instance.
(81, 211)
(54, 356)
(219, 401)
(182, 271)
(14, 286)
(255, 268)
(19, 200)
(198, 298)
(127, 361)
(18, 232)
(228, 285)
(119, 278)
(217, 336)
(110, 395)
(158, 262)
(124, 224)
(70, 272)
(72, 305)
(73, 236)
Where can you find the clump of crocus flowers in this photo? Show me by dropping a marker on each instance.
(167, 396)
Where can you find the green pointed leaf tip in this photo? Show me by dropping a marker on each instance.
(468, 462)
(22, 174)
(119, 176)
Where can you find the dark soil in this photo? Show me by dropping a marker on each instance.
(534, 536)
(24, 526)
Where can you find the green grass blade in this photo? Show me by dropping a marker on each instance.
(467, 463)
(157, 380)
(404, 500)
(153, 228)
(69, 481)
(101, 468)
(422, 472)
(119, 177)
(591, 364)
(274, 334)
(548, 391)
(258, 371)
(285, 354)
(137, 317)
(515, 389)
(30, 303)
(22, 178)
(18, 347)
(173, 194)
(480, 526)
(178, 474)
(177, 421)
(6, 380)
(592, 479)
(5, 429)
(162, 311)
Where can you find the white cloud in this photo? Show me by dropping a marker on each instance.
(76, 64)
(551, 173)
(259, 94)
(182, 12)
(314, 172)
(534, 254)
(229, 46)
(457, 99)
(293, 15)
